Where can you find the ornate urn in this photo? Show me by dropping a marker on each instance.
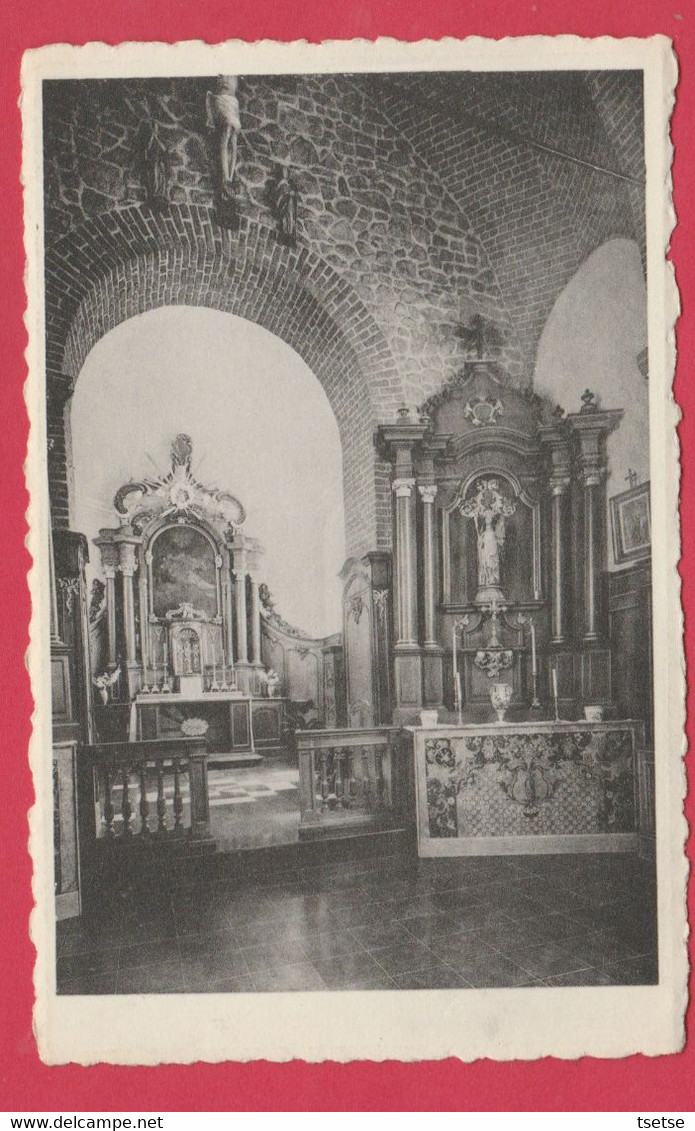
(500, 696)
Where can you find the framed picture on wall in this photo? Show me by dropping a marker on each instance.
(631, 523)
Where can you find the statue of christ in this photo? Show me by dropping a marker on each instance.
(488, 508)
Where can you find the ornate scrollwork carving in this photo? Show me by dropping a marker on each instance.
(493, 661)
(481, 411)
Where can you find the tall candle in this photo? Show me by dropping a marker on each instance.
(453, 651)
(555, 685)
(459, 694)
(534, 669)
(166, 658)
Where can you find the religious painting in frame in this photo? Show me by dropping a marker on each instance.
(631, 524)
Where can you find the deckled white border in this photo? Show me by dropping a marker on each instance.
(498, 1023)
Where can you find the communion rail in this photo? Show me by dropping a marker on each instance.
(124, 788)
(351, 778)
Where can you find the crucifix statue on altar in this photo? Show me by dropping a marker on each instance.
(489, 508)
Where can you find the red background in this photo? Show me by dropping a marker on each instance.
(634, 1084)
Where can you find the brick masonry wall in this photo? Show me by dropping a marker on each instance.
(520, 165)
(410, 221)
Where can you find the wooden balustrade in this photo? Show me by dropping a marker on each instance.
(119, 779)
(350, 777)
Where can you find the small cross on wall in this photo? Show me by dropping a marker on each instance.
(631, 478)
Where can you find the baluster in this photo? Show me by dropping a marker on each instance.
(144, 803)
(366, 781)
(126, 807)
(108, 804)
(338, 786)
(323, 778)
(351, 785)
(331, 772)
(161, 802)
(378, 764)
(178, 800)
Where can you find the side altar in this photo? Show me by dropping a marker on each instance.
(526, 787)
(183, 613)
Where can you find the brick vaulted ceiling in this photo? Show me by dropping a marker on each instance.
(424, 198)
(545, 168)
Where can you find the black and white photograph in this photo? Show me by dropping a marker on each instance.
(344, 445)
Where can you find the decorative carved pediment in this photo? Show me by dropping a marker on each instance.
(177, 494)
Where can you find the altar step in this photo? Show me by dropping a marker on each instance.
(224, 760)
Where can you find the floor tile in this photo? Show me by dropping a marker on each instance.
(302, 976)
(633, 972)
(492, 969)
(402, 959)
(88, 984)
(588, 977)
(163, 979)
(241, 984)
(439, 977)
(88, 963)
(547, 959)
(149, 953)
(347, 970)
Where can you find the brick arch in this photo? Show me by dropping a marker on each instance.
(132, 260)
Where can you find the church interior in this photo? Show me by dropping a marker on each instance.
(348, 467)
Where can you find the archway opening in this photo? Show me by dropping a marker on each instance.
(594, 337)
(261, 426)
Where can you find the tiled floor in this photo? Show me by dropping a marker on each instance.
(389, 923)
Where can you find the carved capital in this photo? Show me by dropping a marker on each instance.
(428, 492)
(558, 486)
(403, 488)
(128, 559)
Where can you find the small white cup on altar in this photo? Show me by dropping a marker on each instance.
(593, 713)
(429, 718)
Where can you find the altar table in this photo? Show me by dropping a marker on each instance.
(531, 787)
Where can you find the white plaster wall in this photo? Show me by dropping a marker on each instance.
(592, 338)
(261, 427)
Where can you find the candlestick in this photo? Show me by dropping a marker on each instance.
(534, 668)
(557, 716)
(453, 651)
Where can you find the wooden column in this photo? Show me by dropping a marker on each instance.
(591, 486)
(428, 494)
(558, 583)
(406, 564)
(400, 441)
(591, 426)
(240, 605)
(128, 564)
(109, 562)
(255, 622)
(227, 603)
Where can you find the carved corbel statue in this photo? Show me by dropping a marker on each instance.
(224, 122)
(153, 159)
(284, 197)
